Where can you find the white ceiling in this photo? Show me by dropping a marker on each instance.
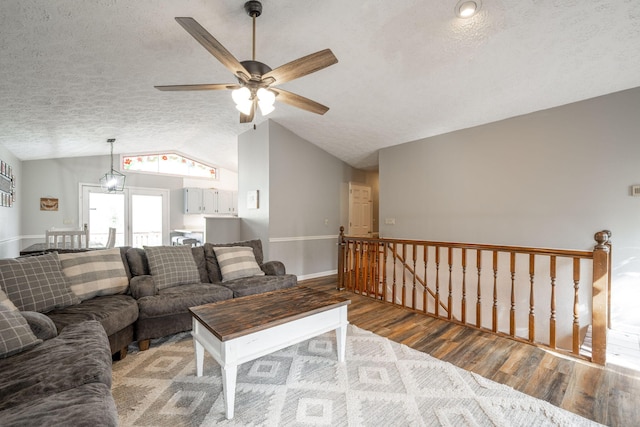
(73, 74)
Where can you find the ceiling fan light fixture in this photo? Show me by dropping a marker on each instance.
(241, 95)
(244, 107)
(242, 98)
(265, 108)
(467, 8)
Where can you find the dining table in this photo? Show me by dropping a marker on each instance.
(39, 248)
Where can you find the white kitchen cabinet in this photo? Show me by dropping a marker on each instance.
(193, 200)
(208, 201)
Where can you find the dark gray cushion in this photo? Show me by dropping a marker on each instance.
(201, 263)
(15, 333)
(41, 325)
(273, 268)
(114, 312)
(178, 299)
(137, 261)
(78, 355)
(259, 284)
(85, 405)
(172, 265)
(142, 286)
(36, 283)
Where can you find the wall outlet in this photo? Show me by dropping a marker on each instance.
(390, 221)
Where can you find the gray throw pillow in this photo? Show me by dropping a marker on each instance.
(236, 262)
(15, 334)
(36, 283)
(172, 266)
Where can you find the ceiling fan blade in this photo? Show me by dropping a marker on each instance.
(302, 66)
(199, 87)
(299, 101)
(213, 46)
(248, 118)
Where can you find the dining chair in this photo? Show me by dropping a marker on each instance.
(67, 239)
(111, 240)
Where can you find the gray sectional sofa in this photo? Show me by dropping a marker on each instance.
(57, 338)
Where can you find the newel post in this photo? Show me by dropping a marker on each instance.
(341, 259)
(600, 296)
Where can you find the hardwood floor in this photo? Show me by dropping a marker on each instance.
(609, 395)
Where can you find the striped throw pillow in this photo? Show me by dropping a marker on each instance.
(15, 333)
(236, 262)
(95, 273)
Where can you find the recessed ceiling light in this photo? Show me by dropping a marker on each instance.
(467, 8)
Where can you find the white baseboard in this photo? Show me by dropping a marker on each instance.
(316, 275)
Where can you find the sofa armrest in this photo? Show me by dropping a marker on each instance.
(41, 325)
(273, 268)
(142, 286)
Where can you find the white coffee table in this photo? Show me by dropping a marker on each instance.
(243, 329)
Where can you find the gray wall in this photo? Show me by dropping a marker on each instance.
(11, 218)
(302, 199)
(61, 178)
(552, 178)
(253, 174)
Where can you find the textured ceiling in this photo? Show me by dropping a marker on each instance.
(73, 74)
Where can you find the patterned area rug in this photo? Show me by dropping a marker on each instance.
(383, 383)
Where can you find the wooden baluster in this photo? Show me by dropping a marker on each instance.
(347, 263)
(341, 259)
(437, 248)
(384, 272)
(494, 326)
(414, 294)
(463, 309)
(512, 313)
(450, 299)
(404, 276)
(425, 258)
(576, 306)
(377, 281)
(371, 256)
(532, 309)
(552, 319)
(365, 268)
(479, 301)
(395, 259)
(358, 250)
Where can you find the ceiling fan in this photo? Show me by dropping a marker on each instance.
(256, 80)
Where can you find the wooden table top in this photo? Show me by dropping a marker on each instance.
(43, 247)
(241, 316)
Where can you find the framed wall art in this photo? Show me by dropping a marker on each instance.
(7, 185)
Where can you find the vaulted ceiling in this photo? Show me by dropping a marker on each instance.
(73, 74)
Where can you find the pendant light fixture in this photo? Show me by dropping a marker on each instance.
(112, 181)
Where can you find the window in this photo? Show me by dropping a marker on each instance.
(168, 164)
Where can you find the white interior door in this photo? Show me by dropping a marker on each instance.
(140, 216)
(360, 210)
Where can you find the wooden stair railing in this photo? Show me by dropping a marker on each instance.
(461, 282)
